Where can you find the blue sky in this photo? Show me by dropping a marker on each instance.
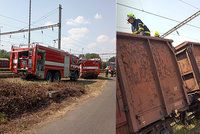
(88, 24)
(175, 9)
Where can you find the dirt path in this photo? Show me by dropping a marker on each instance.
(55, 110)
(97, 115)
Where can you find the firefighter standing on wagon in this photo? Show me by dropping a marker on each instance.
(137, 26)
(156, 34)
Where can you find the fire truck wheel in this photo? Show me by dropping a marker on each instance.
(95, 76)
(74, 77)
(56, 76)
(49, 77)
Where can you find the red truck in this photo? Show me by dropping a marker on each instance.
(4, 63)
(89, 68)
(43, 63)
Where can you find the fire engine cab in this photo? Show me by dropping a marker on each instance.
(43, 63)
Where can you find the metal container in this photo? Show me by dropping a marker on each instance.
(188, 57)
(149, 80)
(122, 126)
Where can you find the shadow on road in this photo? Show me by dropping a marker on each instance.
(80, 81)
(104, 78)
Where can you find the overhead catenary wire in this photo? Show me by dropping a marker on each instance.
(189, 4)
(125, 28)
(16, 20)
(167, 18)
(45, 16)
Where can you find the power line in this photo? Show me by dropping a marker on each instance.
(182, 23)
(175, 35)
(32, 29)
(156, 15)
(45, 16)
(13, 19)
(188, 4)
(6, 25)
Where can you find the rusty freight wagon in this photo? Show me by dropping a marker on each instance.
(150, 87)
(188, 56)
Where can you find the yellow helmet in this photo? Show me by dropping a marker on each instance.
(131, 15)
(156, 34)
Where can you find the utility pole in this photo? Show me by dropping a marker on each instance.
(82, 50)
(59, 27)
(29, 27)
(0, 35)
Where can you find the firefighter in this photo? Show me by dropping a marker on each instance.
(107, 71)
(111, 71)
(156, 34)
(137, 25)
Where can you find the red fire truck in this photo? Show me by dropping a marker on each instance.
(4, 63)
(89, 68)
(43, 63)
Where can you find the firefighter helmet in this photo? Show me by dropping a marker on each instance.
(156, 34)
(131, 15)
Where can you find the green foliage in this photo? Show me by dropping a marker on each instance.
(81, 56)
(89, 56)
(112, 59)
(4, 54)
(3, 118)
(103, 65)
(181, 129)
(92, 56)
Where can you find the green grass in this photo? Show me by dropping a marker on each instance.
(3, 118)
(181, 129)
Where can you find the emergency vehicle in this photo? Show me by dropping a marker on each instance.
(90, 68)
(43, 63)
(4, 63)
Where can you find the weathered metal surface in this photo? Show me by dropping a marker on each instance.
(149, 79)
(122, 126)
(185, 66)
(188, 56)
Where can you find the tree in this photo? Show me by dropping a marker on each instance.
(112, 59)
(103, 65)
(4, 54)
(81, 56)
(92, 56)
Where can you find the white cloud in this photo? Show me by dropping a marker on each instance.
(77, 21)
(102, 38)
(180, 39)
(48, 23)
(102, 44)
(92, 45)
(79, 31)
(98, 16)
(113, 41)
(75, 34)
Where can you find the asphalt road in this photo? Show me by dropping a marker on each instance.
(95, 116)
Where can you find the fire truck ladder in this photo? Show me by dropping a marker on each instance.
(181, 24)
